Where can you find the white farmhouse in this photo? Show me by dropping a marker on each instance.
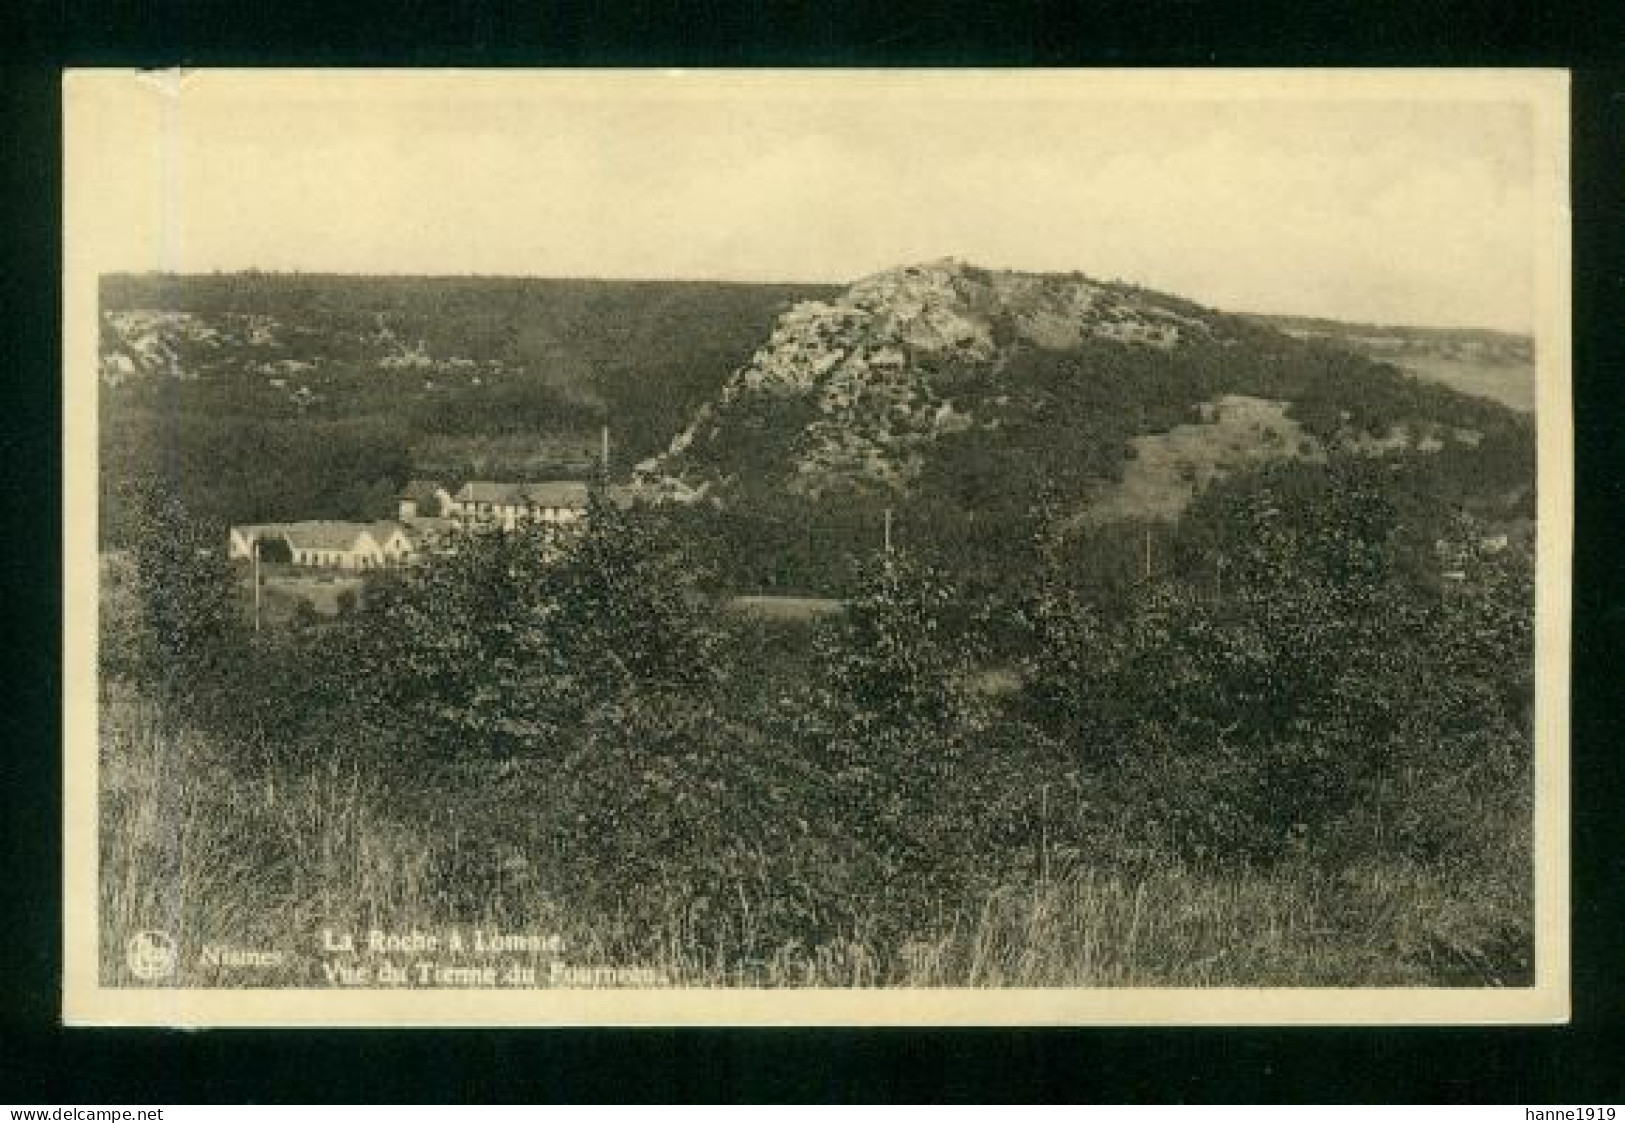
(328, 543)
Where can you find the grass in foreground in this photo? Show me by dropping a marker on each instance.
(199, 843)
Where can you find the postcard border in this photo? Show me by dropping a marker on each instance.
(86, 1002)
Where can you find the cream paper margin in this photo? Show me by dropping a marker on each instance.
(89, 188)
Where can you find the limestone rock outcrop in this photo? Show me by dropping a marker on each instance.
(871, 372)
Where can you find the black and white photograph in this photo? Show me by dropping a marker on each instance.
(816, 547)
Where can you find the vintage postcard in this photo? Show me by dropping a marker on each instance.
(816, 547)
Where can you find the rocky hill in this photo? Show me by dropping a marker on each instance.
(942, 390)
(949, 380)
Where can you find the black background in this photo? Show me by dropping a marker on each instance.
(41, 1063)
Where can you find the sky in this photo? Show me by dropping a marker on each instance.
(1392, 201)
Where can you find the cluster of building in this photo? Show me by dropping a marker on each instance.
(429, 514)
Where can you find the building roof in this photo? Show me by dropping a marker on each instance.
(548, 493)
(382, 530)
(557, 493)
(486, 491)
(324, 534)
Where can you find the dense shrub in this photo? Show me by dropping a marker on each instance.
(1327, 704)
(503, 646)
(182, 628)
(663, 815)
(870, 802)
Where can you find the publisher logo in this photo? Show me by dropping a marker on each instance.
(150, 955)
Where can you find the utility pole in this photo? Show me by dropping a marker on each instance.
(603, 459)
(1148, 553)
(254, 548)
(888, 530)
